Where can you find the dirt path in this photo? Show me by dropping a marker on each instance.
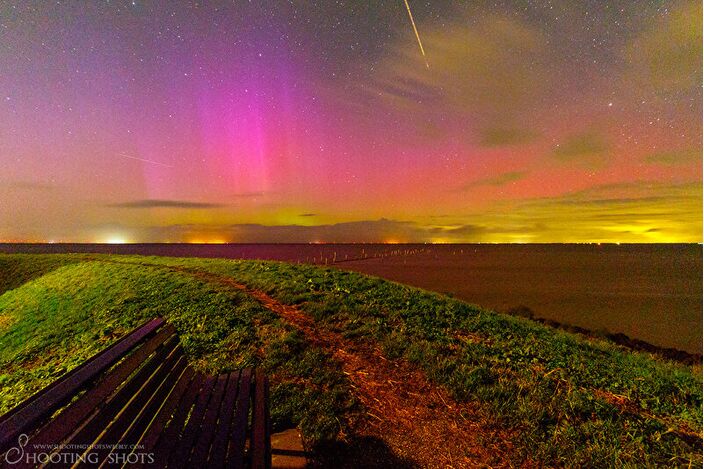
(417, 419)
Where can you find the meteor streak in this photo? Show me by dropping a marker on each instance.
(415, 30)
(146, 161)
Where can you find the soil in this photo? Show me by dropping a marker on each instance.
(407, 420)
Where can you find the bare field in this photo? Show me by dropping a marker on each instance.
(648, 292)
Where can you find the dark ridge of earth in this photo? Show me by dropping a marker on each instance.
(646, 297)
(617, 338)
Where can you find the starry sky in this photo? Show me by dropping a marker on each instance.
(319, 121)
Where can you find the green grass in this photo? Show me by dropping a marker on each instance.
(574, 401)
(61, 317)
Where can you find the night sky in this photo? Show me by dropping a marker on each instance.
(310, 121)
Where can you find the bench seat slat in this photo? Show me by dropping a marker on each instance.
(235, 452)
(151, 404)
(100, 419)
(192, 429)
(260, 423)
(60, 427)
(157, 426)
(114, 431)
(170, 437)
(39, 407)
(207, 426)
(222, 434)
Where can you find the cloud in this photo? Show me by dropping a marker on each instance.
(667, 57)
(308, 215)
(642, 211)
(499, 136)
(488, 67)
(628, 212)
(157, 203)
(30, 186)
(627, 190)
(496, 181)
(587, 148)
(348, 232)
(674, 157)
(365, 231)
(248, 195)
(369, 231)
(465, 230)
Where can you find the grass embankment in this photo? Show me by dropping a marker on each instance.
(63, 316)
(574, 401)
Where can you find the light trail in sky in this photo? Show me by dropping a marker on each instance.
(146, 161)
(415, 30)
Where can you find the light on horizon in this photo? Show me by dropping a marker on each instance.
(116, 240)
(208, 241)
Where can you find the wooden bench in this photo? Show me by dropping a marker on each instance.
(141, 394)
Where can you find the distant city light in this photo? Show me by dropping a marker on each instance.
(116, 240)
(208, 241)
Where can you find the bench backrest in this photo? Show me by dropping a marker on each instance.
(141, 391)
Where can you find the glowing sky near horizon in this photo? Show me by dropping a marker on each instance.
(306, 121)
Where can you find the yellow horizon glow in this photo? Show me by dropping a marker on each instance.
(208, 241)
